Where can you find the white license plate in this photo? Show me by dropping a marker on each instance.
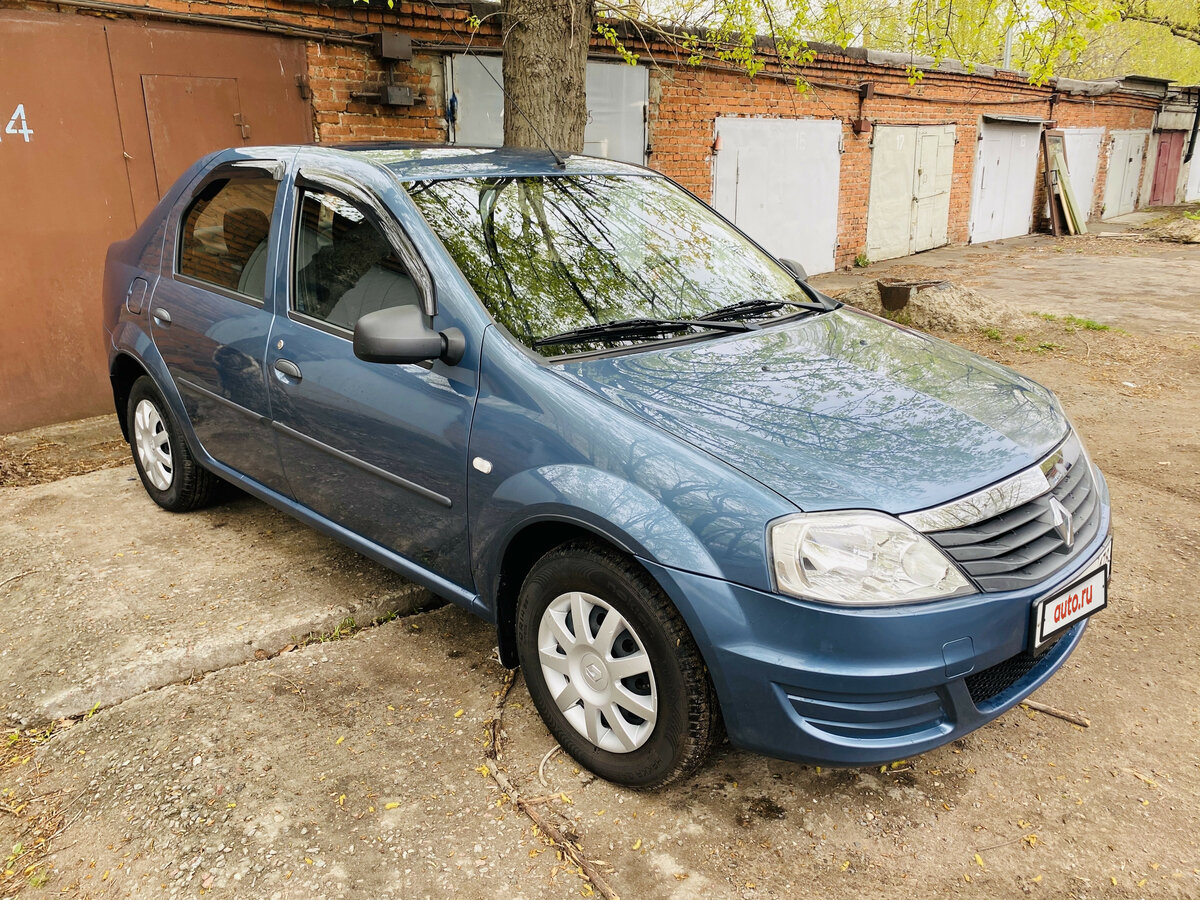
(1086, 596)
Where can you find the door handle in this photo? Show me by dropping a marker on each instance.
(288, 368)
(161, 315)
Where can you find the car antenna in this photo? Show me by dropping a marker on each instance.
(559, 159)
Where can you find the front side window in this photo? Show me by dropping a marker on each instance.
(345, 267)
(224, 236)
(549, 255)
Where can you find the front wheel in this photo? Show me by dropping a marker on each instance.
(169, 472)
(613, 669)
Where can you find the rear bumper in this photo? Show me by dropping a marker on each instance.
(834, 686)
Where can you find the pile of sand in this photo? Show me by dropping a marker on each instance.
(943, 306)
(1182, 230)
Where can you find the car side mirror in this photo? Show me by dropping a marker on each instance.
(795, 268)
(399, 334)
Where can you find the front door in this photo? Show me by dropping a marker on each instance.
(1124, 172)
(931, 188)
(912, 167)
(379, 449)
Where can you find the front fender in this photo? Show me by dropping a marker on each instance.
(592, 499)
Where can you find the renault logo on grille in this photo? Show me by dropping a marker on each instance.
(1062, 522)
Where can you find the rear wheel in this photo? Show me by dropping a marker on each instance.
(169, 472)
(613, 669)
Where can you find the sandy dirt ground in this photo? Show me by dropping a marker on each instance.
(356, 762)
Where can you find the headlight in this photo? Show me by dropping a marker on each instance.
(859, 559)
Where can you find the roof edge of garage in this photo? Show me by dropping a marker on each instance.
(1014, 120)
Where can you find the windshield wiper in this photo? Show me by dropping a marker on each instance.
(634, 328)
(756, 307)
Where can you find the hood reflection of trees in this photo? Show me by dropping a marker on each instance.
(840, 393)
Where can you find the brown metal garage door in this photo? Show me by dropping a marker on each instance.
(104, 130)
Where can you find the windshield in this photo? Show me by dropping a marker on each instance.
(549, 255)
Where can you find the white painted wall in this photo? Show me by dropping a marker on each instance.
(778, 179)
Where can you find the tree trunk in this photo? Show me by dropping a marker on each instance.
(545, 64)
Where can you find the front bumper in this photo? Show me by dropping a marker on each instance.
(857, 687)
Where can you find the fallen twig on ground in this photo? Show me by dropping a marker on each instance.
(570, 849)
(17, 576)
(542, 765)
(1058, 713)
(493, 724)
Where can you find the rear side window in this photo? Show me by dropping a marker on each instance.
(224, 237)
(345, 267)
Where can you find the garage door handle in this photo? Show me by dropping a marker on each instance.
(288, 368)
(162, 316)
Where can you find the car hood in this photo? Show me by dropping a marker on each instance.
(840, 410)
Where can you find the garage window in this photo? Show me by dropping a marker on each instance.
(224, 236)
(345, 268)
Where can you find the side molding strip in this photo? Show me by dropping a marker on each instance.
(193, 388)
(417, 489)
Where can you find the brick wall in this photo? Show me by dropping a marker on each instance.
(684, 100)
(684, 103)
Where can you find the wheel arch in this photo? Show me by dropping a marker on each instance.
(123, 372)
(529, 543)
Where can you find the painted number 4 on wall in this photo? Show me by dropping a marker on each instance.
(17, 124)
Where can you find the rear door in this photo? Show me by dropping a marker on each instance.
(210, 315)
(380, 449)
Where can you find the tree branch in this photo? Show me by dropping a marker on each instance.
(1128, 13)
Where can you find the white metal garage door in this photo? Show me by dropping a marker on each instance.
(1125, 154)
(1005, 174)
(1083, 159)
(1193, 181)
(911, 170)
(777, 179)
(617, 95)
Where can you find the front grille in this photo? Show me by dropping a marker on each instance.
(1021, 547)
(999, 678)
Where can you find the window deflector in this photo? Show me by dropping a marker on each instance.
(273, 167)
(381, 218)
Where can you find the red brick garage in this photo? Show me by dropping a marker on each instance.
(122, 110)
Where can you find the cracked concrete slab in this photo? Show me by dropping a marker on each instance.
(345, 769)
(112, 596)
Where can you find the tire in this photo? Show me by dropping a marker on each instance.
(169, 472)
(643, 723)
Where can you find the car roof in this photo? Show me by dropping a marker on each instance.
(412, 161)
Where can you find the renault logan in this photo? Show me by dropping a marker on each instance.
(692, 493)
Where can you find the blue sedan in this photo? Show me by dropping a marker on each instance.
(693, 494)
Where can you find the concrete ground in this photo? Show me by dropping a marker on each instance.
(193, 714)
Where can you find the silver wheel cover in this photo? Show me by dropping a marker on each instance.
(153, 446)
(598, 672)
